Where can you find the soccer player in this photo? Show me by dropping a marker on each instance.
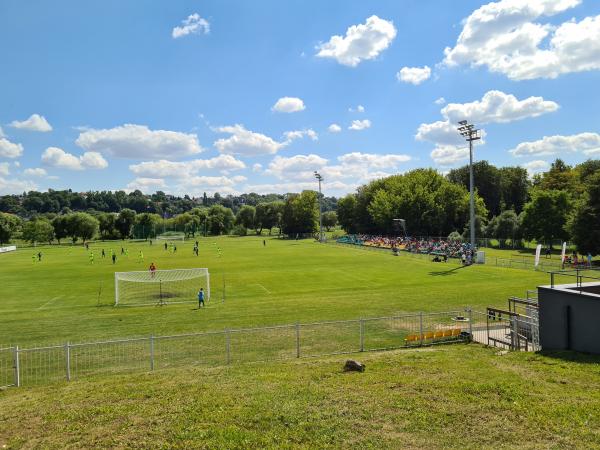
(200, 298)
(40, 256)
(141, 256)
(103, 253)
(174, 248)
(264, 243)
(152, 270)
(114, 258)
(33, 258)
(165, 246)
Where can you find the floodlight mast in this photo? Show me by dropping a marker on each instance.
(471, 134)
(320, 178)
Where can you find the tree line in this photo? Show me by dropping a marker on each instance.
(562, 203)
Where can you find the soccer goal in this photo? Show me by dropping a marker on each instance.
(160, 287)
(171, 236)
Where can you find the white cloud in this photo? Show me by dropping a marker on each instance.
(2, 133)
(449, 155)
(334, 128)
(440, 101)
(245, 142)
(414, 75)
(299, 166)
(299, 134)
(371, 160)
(358, 125)
(362, 42)
(194, 24)
(257, 168)
(17, 163)
(146, 184)
(494, 107)
(9, 149)
(358, 109)
(172, 169)
(4, 169)
(498, 107)
(536, 166)
(588, 143)
(138, 141)
(288, 105)
(504, 37)
(36, 172)
(35, 122)
(15, 186)
(57, 157)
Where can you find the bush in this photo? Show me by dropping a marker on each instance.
(240, 230)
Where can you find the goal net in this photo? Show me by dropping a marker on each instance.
(161, 286)
(171, 237)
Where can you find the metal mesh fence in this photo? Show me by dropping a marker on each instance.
(39, 365)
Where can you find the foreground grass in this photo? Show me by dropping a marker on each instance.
(65, 298)
(460, 396)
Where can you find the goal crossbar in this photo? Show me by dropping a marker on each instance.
(145, 287)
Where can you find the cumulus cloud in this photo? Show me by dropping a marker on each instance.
(4, 169)
(414, 75)
(506, 38)
(57, 157)
(440, 101)
(334, 128)
(358, 125)
(358, 109)
(498, 107)
(165, 168)
(138, 141)
(257, 168)
(35, 122)
(246, 143)
(494, 107)
(536, 166)
(193, 24)
(361, 42)
(146, 184)
(35, 172)
(2, 133)
(588, 143)
(299, 166)
(449, 155)
(299, 134)
(9, 149)
(16, 186)
(288, 105)
(373, 160)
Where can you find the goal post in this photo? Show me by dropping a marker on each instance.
(160, 287)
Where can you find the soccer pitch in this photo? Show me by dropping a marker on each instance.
(67, 298)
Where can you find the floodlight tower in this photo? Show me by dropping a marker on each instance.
(471, 134)
(320, 178)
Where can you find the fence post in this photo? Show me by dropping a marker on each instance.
(362, 335)
(68, 361)
(228, 346)
(297, 340)
(470, 310)
(421, 327)
(151, 352)
(17, 367)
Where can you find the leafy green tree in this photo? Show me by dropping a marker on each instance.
(38, 230)
(487, 183)
(146, 225)
(124, 223)
(220, 219)
(545, 216)
(505, 226)
(61, 226)
(200, 221)
(246, 217)
(300, 213)
(107, 225)
(346, 212)
(82, 225)
(330, 220)
(560, 177)
(514, 186)
(584, 225)
(9, 223)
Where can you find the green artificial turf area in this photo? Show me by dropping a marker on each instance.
(459, 396)
(66, 298)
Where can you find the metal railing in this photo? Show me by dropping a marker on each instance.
(72, 361)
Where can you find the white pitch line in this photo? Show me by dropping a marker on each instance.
(50, 301)
(266, 290)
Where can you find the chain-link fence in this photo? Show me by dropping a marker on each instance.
(40, 365)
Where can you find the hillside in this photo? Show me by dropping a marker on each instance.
(461, 396)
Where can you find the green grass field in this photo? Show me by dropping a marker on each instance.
(460, 396)
(65, 298)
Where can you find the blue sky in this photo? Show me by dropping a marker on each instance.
(238, 96)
